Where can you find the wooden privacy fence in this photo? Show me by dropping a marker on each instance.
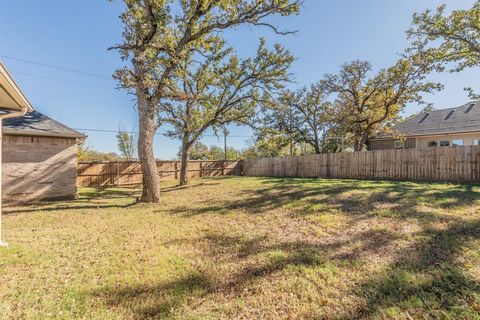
(125, 173)
(458, 164)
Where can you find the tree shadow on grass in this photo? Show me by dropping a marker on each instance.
(89, 198)
(49, 208)
(187, 187)
(351, 197)
(428, 279)
(108, 193)
(257, 257)
(166, 299)
(425, 280)
(155, 301)
(335, 249)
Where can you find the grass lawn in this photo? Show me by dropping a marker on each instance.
(248, 248)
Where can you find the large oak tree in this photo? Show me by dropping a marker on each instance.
(303, 115)
(219, 90)
(367, 101)
(158, 34)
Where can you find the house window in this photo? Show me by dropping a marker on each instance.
(444, 143)
(457, 142)
(476, 142)
(432, 143)
(399, 144)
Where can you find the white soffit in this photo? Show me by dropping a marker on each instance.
(11, 97)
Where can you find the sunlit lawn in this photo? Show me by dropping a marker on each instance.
(249, 248)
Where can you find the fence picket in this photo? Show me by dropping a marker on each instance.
(125, 173)
(456, 164)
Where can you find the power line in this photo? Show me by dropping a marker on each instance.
(74, 99)
(59, 80)
(158, 133)
(46, 65)
(82, 84)
(116, 105)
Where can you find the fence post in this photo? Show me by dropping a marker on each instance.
(118, 174)
(328, 165)
(176, 170)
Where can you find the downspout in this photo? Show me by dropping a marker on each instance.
(5, 116)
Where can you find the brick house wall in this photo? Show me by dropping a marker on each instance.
(387, 144)
(38, 168)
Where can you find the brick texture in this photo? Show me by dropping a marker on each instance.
(38, 168)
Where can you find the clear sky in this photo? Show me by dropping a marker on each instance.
(75, 35)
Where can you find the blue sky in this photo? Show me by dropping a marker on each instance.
(76, 34)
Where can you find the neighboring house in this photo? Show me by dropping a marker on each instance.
(447, 127)
(39, 159)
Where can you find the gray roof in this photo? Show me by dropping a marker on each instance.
(454, 120)
(37, 124)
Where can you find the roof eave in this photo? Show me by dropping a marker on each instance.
(423, 135)
(13, 90)
(41, 134)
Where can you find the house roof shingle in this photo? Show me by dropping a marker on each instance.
(453, 120)
(37, 124)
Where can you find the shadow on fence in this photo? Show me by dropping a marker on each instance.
(129, 173)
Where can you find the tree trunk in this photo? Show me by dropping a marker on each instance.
(184, 164)
(356, 144)
(316, 145)
(357, 138)
(147, 128)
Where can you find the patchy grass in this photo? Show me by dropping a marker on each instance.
(248, 248)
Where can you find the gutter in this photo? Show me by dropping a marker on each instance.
(6, 116)
(414, 136)
(28, 133)
(12, 89)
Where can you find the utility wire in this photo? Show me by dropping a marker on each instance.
(74, 99)
(116, 105)
(59, 80)
(46, 65)
(83, 84)
(158, 133)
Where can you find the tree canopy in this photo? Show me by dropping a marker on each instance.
(220, 89)
(158, 35)
(366, 103)
(304, 115)
(451, 38)
(126, 144)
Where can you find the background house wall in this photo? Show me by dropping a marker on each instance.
(468, 139)
(36, 168)
(422, 142)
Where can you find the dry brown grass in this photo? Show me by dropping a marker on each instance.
(248, 248)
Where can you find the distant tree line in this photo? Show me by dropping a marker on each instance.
(126, 143)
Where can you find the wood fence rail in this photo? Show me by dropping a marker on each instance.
(127, 173)
(457, 164)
